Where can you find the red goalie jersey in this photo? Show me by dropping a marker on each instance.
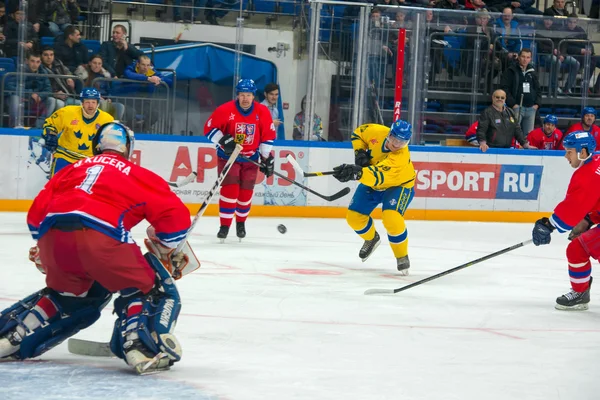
(111, 195)
(253, 128)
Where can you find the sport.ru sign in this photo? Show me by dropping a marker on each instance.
(478, 181)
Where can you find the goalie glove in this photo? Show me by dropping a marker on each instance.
(34, 257)
(178, 264)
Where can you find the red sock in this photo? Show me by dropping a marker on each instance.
(580, 267)
(244, 202)
(227, 203)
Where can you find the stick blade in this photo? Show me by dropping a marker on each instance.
(369, 292)
(338, 195)
(295, 164)
(89, 348)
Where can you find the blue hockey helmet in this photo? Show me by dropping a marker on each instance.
(551, 119)
(579, 140)
(114, 136)
(589, 110)
(246, 86)
(90, 93)
(400, 133)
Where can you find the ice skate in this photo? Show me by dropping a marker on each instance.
(369, 247)
(240, 228)
(574, 301)
(10, 344)
(143, 361)
(403, 264)
(223, 232)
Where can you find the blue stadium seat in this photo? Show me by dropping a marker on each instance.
(47, 41)
(433, 106)
(433, 128)
(456, 129)
(458, 107)
(7, 65)
(265, 6)
(92, 45)
(566, 112)
(545, 111)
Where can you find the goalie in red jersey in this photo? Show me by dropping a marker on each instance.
(82, 221)
(578, 213)
(248, 123)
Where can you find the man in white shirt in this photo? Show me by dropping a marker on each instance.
(271, 98)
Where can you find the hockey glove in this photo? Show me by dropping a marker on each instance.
(362, 157)
(51, 140)
(583, 226)
(347, 172)
(34, 257)
(227, 144)
(267, 165)
(541, 231)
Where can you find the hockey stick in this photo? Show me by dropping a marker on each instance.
(470, 263)
(89, 348)
(211, 193)
(299, 169)
(333, 197)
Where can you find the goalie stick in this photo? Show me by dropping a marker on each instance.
(299, 169)
(332, 197)
(102, 349)
(470, 263)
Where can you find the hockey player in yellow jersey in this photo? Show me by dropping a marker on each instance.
(386, 176)
(70, 130)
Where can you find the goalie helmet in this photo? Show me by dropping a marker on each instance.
(400, 133)
(114, 136)
(579, 140)
(246, 86)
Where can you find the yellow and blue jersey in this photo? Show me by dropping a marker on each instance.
(75, 130)
(388, 169)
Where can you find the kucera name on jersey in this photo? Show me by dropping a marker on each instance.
(113, 161)
(481, 181)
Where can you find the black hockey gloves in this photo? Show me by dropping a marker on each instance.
(267, 165)
(541, 231)
(227, 144)
(362, 157)
(347, 172)
(51, 140)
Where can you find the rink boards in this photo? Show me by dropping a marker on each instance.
(452, 183)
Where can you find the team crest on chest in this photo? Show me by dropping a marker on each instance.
(244, 132)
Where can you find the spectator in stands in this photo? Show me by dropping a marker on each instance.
(60, 14)
(271, 102)
(557, 10)
(552, 59)
(117, 54)
(63, 89)
(588, 119)
(548, 137)
(508, 28)
(218, 9)
(198, 10)
(2, 24)
(522, 88)
(36, 13)
(94, 70)
(578, 46)
(475, 5)
(300, 120)
(70, 50)
(498, 125)
(448, 5)
(38, 92)
(149, 110)
(486, 34)
(378, 50)
(11, 34)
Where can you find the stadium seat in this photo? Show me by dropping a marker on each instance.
(566, 112)
(458, 107)
(92, 45)
(47, 41)
(7, 65)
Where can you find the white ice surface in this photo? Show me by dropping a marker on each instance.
(254, 328)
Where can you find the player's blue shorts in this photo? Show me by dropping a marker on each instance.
(365, 199)
(57, 165)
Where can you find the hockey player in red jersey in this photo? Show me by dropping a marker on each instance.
(578, 212)
(248, 123)
(82, 221)
(548, 137)
(587, 124)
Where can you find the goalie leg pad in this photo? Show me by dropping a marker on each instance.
(46, 318)
(152, 326)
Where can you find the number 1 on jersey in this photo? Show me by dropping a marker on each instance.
(92, 176)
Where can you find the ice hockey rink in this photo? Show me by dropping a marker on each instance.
(285, 317)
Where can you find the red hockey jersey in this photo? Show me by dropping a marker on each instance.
(583, 197)
(109, 194)
(253, 128)
(539, 140)
(595, 130)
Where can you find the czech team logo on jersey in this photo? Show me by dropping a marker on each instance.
(244, 132)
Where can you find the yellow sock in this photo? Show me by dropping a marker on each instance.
(397, 233)
(362, 224)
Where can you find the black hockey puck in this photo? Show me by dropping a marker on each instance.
(281, 228)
